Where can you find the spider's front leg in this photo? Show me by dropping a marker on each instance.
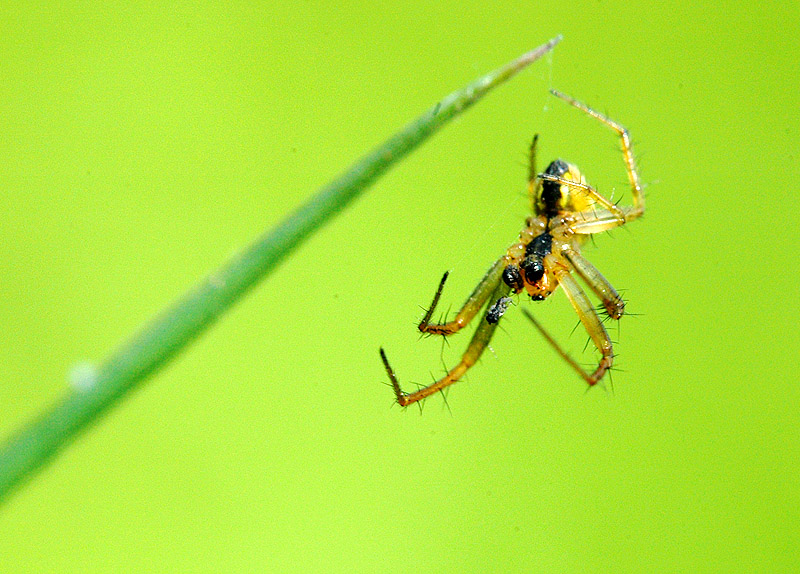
(473, 304)
(480, 340)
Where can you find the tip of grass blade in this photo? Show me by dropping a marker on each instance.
(535, 54)
(459, 100)
(512, 68)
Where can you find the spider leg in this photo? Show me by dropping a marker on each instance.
(594, 220)
(613, 303)
(533, 179)
(590, 191)
(597, 221)
(592, 324)
(627, 150)
(480, 340)
(471, 306)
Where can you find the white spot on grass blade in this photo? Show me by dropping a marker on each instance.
(83, 376)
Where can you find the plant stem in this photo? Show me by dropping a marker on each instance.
(170, 332)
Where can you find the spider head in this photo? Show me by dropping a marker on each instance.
(554, 197)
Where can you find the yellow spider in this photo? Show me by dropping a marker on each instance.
(566, 210)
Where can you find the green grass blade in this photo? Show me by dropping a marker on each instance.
(175, 328)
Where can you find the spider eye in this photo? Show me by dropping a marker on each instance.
(512, 278)
(533, 269)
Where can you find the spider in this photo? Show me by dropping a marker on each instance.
(566, 211)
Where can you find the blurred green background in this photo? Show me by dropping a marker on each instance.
(141, 146)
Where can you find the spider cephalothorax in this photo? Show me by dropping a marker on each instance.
(566, 210)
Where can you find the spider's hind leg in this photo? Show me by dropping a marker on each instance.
(533, 178)
(591, 322)
(612, 303)
(637, 209)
